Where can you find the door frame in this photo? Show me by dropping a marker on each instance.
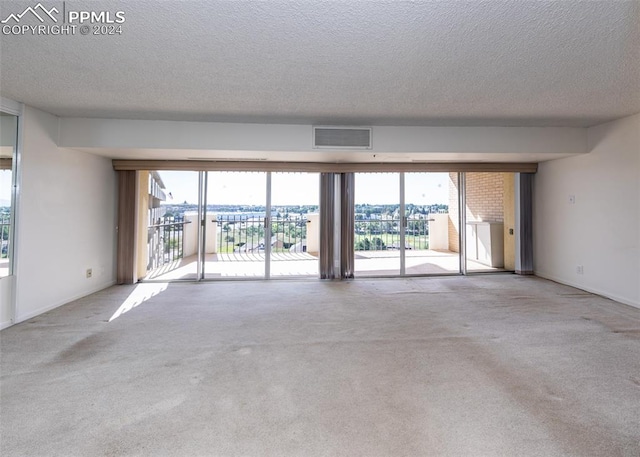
(16, 109)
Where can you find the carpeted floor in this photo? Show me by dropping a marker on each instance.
(478, 366)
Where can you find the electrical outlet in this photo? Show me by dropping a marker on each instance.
(572, 199)
(580, 269)
(89, 272)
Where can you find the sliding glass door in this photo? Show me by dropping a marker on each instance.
(226, 225)
(295, 225)
(490, 222)
(8, 180)
(168, 225)
(403, 222)
(430, 202)
(377, 229)
(8, 145)
(237, 238)
(223, 225)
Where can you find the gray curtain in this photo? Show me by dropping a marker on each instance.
(347, 228)
(327, 223)
(524, 248)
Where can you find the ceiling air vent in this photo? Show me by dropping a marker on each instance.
(342, 137)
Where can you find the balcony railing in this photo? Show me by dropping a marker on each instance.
(5, 233)
(165, 241)
(246, 234)
(384, 234)
(240, 234)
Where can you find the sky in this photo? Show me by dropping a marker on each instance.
(249, 188)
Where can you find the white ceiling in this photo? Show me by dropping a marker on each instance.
(551, 63)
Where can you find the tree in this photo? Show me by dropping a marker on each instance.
(376, 244)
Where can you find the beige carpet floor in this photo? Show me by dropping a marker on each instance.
(494, 365)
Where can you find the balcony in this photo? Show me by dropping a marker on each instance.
(235, 247)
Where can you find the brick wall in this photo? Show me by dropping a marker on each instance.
(453, 212)
(485, 194)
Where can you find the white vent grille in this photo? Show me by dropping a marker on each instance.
(342, 138)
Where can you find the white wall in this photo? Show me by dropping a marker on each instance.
(66, 220)
(601, 230)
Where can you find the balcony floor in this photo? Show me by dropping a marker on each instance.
(292, 265)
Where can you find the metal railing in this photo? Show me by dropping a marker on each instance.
(5, 233)
(246, 234)
(165, 242)
(384, 234)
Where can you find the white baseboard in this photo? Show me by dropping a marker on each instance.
(6, 324)
(593, 290)
(93, 290)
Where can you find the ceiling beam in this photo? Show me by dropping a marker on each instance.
(321, 167)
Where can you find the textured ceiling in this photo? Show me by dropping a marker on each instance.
(560, 63)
